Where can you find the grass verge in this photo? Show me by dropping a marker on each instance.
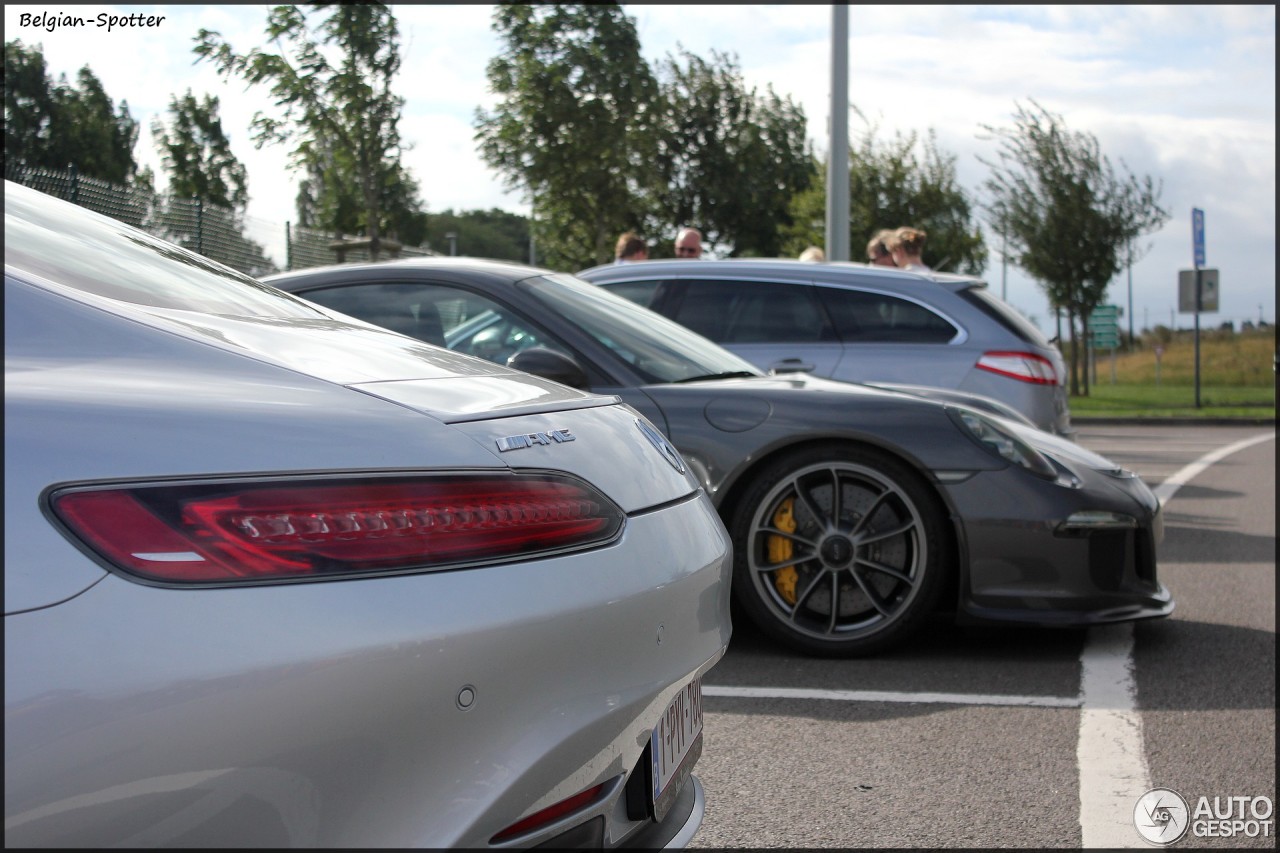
(1157, 380)
(1165, 401)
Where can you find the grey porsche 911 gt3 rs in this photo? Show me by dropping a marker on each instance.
(855, 511)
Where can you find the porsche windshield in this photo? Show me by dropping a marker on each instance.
(658, 349)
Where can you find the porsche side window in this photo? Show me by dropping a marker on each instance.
(404, 308)
(488, 329)
(438, 314)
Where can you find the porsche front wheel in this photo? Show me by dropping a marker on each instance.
(839, 551)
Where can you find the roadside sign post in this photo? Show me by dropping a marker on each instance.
(1197, 252)
(1208, 303)
(1197, 241)
(1104, 333)
(1198, 294)
(1197, 235)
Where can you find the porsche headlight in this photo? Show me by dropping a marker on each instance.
(1003, 442)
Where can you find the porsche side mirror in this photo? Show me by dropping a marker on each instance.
(550, 364)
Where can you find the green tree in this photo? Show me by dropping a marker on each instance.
(97, 140)
(28, 106)
(1070, 219)
(489, 233)
(572, 124)
(57, 125)
(728, 159)
(341, 116)
(203, 209)
(406, 216)
(902, 181)
(326, 201)
(197, 154)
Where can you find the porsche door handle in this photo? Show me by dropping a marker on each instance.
(790, 365)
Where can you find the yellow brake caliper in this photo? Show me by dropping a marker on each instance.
(781, 549)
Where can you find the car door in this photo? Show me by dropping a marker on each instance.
(890, 337)
(775, 325)
(466, 321)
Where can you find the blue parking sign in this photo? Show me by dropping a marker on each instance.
(1197, 234)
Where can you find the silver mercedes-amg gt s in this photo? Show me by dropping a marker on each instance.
(279, 579)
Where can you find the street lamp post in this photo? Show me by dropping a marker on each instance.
(838, 156)
(1004, 268)
(452, 237)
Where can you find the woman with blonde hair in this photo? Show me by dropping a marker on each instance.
(906, 245)
(878, 249)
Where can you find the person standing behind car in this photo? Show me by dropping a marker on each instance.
(906, 245)
(631, 247)
(689, 243)
(878, 253)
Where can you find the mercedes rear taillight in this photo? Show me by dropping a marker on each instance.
(549, 814)
(314, 528)
(1024, 366)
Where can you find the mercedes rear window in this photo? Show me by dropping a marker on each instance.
(86, 251)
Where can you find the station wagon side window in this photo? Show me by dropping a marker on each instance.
(869, 317)
(643, 293)
(742, 312)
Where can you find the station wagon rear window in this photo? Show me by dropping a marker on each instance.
(1005, 315)
(864, 316)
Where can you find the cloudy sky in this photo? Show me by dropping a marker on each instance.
(1185, 94)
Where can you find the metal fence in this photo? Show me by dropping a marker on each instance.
(254, 246)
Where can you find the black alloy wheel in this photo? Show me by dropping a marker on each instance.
(839, 551)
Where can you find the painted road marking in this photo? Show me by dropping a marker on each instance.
(1110, 752)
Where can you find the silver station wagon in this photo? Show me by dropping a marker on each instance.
(858, 323)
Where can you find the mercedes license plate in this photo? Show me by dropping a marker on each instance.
(675, 746)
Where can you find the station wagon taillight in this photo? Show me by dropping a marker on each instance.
(234, 532)
(1024, 366)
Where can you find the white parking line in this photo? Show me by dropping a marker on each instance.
(1171, 484)
(1110, 752)
(889, 696)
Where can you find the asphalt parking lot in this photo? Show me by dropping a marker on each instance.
(992, 737)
